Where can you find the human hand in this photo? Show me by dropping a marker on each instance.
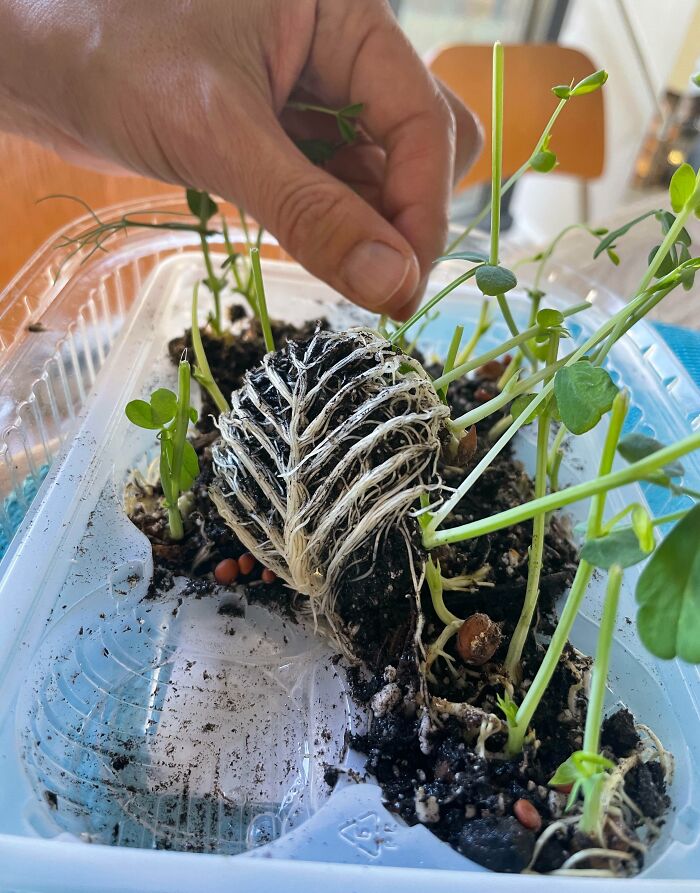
(194, 93)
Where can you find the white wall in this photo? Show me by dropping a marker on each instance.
(544, 204)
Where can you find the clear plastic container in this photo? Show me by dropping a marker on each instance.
(59, 318)
(132, 724)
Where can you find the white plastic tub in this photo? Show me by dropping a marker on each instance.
(107, 699)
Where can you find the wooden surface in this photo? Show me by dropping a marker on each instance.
(530, 72)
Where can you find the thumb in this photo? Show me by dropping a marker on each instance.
(327, 227)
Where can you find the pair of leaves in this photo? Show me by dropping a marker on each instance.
(202, 205)
(588, 85)
(582, 770)
(157, 412)
(584, 393)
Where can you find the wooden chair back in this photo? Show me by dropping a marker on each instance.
(531, 70)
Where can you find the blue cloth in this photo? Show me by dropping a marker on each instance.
(685, 343)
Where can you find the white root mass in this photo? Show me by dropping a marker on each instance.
(328, 444)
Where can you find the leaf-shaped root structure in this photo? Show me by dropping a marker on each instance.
(328, 443)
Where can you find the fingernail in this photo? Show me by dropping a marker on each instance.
(374, 272)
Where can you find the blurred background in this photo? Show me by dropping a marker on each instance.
(652, 110)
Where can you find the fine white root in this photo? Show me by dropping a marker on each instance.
(594, 852)
(327, 446)
(468, 582)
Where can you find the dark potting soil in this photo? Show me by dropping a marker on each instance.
(465, 798)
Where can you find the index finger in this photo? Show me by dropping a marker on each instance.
(363, 56)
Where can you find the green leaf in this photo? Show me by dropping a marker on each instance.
(347, 129)
(562, 91)
(543, 161)
(194, 415)
(190, 466)
(618, 547)
(681, 187)
(635, 446)
(584, 394)
(201, 204)
(140, 413)
(508, 707)
(614, 256)
(352, 111)
(643, 529)
(668, 264)
(666, 219)
(591, 83)
(318, 151)
(495, 280)
(609, 240)
(696, 79)
(668, 594)
(164, 405)
(472, 256)
(521, 403)
(548, 318)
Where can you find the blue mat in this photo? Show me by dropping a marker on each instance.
(685, 343)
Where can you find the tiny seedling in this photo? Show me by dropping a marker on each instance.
(319, 151)
(170, 415)
(202, 371)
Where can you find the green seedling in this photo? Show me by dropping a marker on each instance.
(170, 415)
(319, 151)
(202, 371)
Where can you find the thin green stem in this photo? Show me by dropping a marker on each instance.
(590, 820)
(496, 148)
(177, 530)
(691, 204)
(601, 665)
(637, 471)
(466, 365)
(439, 516)
(202, 372)
(549, 251)
(260, 295)
(682, 490)
(170, 477)
(213, 284)
(555, 457)
(584, 572)
(427, 307)
(481, 412)
(433, 578)
(483, 324)
(450, 358)
(534, 569)
(511, 181)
